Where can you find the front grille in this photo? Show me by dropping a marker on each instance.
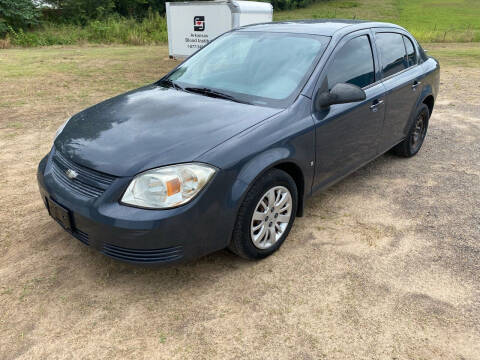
(143, 256)
(89, 183)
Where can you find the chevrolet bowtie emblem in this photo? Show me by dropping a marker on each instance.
(71, 174)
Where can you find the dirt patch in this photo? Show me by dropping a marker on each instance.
(385, 264)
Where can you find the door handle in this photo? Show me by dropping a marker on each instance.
(416, 84)
(375, 105)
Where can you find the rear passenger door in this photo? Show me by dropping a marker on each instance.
(346, 135)
(402, 77)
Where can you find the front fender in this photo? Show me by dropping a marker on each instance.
(257, 166)
(286, 140)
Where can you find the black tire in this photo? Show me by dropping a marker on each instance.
(414, 140)
(241, 242)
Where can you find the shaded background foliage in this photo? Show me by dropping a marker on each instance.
(82, 11)
(24, 14)
(17, 14)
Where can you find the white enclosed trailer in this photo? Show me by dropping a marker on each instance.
(192, 25)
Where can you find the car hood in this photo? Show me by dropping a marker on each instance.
(153, 126)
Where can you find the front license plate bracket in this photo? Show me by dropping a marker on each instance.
(60, 214)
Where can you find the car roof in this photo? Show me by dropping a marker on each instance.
(325, 27)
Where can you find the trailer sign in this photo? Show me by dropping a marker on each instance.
(210, 19)
(196, 41)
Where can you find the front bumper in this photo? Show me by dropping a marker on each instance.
(139, 235)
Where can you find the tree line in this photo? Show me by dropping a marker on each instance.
(27, 14)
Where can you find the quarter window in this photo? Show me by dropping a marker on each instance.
(353, 64)
(392, 53)
(411, 53)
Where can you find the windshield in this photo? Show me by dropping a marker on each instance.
(256, 67)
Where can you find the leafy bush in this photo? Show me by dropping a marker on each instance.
(17, 14)
(78, 12)
(83, 11)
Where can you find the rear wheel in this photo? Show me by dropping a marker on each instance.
(265, 216)
(414, 141)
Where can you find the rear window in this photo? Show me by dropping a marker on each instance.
(392, 53)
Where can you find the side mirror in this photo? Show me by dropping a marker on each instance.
(341, 93)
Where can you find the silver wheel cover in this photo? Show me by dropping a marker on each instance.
(271, 217)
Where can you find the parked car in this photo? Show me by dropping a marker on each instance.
(225, 149)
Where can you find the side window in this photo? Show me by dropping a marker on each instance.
(411, 53)
(392, 53)
(353, 64)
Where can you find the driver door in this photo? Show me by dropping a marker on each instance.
(347, 135)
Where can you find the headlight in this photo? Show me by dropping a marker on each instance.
(167, 186)
(60, 129)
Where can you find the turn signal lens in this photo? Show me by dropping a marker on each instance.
(173, 187)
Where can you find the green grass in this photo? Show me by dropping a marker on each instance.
(466, 55)
(428, 20)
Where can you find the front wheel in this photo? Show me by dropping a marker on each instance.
(414, 140)
(265, 216)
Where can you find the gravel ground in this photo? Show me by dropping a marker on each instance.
(385, 264)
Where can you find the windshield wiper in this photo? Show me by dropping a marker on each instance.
(213, 93)
(172, 84)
